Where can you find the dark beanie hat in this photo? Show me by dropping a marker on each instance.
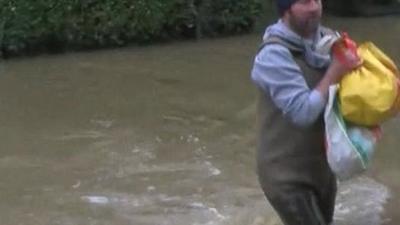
(284, 5)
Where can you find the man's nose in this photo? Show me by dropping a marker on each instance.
(314, 5)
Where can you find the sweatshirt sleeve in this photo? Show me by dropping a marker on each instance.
(278, 75)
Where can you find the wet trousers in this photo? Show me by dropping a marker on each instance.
(299, 205)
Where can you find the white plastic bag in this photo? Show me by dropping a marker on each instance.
(349, 148)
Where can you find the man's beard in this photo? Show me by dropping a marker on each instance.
(304, 27)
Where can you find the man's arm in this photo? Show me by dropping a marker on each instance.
(276, 72)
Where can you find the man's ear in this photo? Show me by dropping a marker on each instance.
(285, 15)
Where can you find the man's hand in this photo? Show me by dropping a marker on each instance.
(336, 71)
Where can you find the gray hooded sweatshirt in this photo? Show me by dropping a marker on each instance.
(276, 73)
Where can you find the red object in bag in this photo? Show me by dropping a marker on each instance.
(345, 49)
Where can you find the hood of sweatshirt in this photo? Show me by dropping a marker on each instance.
(308, 47)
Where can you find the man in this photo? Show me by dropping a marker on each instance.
(293, 78)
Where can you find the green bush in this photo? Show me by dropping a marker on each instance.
(56, 25)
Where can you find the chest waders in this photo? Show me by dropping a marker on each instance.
(292, 167)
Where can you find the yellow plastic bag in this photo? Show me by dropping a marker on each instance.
(369, 94)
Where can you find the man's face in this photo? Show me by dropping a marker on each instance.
(304, 16)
